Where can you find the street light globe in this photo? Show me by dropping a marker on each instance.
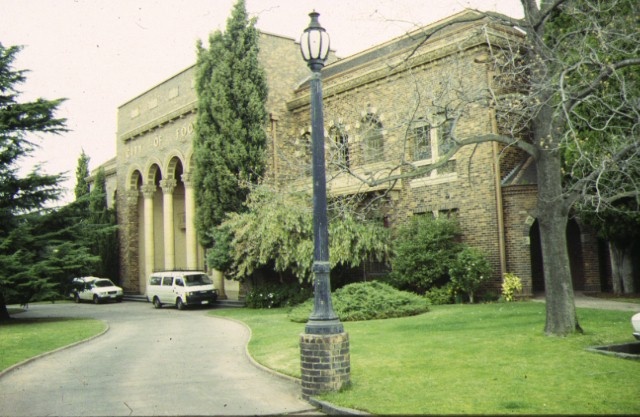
(314, 43)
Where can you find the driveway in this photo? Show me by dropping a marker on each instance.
(150, 362)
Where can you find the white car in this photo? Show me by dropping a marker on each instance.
(95, 289)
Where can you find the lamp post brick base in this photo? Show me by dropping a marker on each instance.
(325, 363)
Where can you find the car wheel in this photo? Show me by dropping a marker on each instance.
(96, 300)
(76, 298)
(156, 302)
(180, 304)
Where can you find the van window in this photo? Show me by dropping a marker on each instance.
(179, 282)
(200, 279)
(154, 281)
(167, 281)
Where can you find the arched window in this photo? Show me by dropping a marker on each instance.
(373, 142)
(303, 152)
(340, 143)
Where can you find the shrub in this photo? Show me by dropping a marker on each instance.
(511, 284)
(442, 295)
(469, 270)
(367, 301)
(424, 249)
(277, 295)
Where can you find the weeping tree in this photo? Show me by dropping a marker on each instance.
(276, 230)
(550, 84)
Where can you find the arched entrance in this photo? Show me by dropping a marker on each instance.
(576, 259)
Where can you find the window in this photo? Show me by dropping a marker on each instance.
(303, 152)
(155, 281)
(445, 143)
(421, 135)
(373, 143)
(340, 142)
(167, 281)
(448, 213)
(430, 144)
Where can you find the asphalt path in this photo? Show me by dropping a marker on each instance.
(149, 362)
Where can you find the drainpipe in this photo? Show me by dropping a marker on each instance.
(498, 186)
(274, 135)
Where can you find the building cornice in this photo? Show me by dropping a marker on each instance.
(395, 63)
(159, 121)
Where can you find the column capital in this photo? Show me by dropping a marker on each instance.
(168, 185)
(148, 190)
(187, 179)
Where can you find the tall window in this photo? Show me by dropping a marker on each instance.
(421, 134)
(373, 142)
(430, 143)
(340, 144)
(303, 152)
(445, 143)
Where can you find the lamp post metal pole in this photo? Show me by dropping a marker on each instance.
(323, 319)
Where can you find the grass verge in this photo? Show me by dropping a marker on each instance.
(462, 359)
(21, 339)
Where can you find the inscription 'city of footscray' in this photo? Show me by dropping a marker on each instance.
(163, 137)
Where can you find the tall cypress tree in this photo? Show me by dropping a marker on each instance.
(230, 139)
(82, 173)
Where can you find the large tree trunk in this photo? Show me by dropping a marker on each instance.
(553, 210)
(622, 267)
(4, 313)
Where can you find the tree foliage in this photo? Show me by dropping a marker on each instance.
(470, 270)
(25, 251)
(230, 138)
(423, 250)
(82, 173)
(605, 124)
(277, 229)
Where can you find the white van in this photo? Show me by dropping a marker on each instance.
(181, 288)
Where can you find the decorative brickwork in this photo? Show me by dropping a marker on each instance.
(402, 85)
(325, 363)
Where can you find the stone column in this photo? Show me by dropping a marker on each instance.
(168, 186)
(190, 213)
(148, 191)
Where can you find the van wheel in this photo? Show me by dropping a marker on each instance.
(180, 304)
(76, 298)
(96, 300)
(156, 302)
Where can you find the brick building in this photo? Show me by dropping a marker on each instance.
(387, 112)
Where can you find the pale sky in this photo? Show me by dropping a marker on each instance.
(101, 53)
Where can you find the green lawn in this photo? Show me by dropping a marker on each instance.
(459, 359)
(21, 339)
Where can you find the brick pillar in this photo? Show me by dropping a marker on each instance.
(325, 363)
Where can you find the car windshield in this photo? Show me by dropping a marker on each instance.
(194, 280)
(103, 283)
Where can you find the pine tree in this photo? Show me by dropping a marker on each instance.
(229, 147)
(82, 173)
(22, 197)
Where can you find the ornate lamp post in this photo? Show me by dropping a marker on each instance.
(314, 44)
(324, 347)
